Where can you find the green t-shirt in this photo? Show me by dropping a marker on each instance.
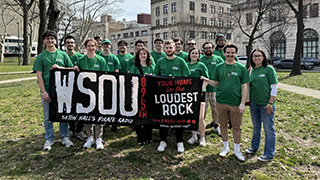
(45, 60)
(97, 63)
(156, 56)
(183, 55)
(97, 51)
(74, 58)
(211, 63)
(112, 61)
(146, 70)
(131, 62)
(260, 81)
(220, 53)
(198, 69)
(174, 67)
(230, 78)
(123, 59)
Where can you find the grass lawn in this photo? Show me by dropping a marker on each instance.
(10, 64)
(307, 79)
(22, 138)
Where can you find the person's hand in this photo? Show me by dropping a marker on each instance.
(75, 68)
(46, 97)
(268, 109)
(204, 78)
(55, 66)
(241, 108)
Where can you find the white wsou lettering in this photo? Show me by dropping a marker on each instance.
(64, 91)
(113, 109)
(134, 97)
(92, 104)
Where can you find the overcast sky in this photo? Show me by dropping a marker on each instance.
(130, 9)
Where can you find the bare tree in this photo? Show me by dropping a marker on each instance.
(42, 24)
(53, 14)
(5, 21)
(257, 15)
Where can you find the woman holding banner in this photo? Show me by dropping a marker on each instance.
(92, 62)
(263, 90)
(198, 69)
(143, 65)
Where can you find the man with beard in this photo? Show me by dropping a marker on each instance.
(179, 52)
(75, 128)
(158, 53)
(211, 61)
(221, 42)
(111, 60)
(171, 65)
(99, 45)
(231, 79)
(123, 55)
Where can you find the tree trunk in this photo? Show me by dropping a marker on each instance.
(53, 13)
(248, 51)
(43, 25)
(1, 52)
(26, 60)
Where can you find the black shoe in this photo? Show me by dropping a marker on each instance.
(149, 141)
(114, 129)
(141, 143)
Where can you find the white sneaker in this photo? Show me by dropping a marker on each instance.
(193, 139)
(67, 142)
(99, 144)
(239, 156)
(89, 142)
(81, 135)
(180, 147)
(217, 130)
(202, 142)
(47, 145)
(224, 151)
(162, 146)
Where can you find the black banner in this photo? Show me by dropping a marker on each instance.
(125, 99)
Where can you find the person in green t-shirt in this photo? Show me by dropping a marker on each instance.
(263, 91)
(143, 65)
(220, 43)
(92, 62)
(158, 53)
(171, 66)
(75, 128)
(123, 55)
(51, 58)
(211, 61)
(139, 44)
(179, 52)
(198, 69)
(111, 60)
(99, 45)
(231, 79)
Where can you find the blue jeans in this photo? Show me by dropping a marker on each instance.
(48, 126)
(258, 115)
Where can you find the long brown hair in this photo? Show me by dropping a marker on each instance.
(137, 59)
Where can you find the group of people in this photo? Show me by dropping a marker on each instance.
(225, 87)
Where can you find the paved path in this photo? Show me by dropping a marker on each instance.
(287, 87)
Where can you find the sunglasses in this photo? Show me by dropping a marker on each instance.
(69, 42)
(191, 44)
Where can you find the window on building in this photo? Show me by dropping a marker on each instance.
(173, 20)
(212, 21)
(228, 36)
(203, 35)
(278, 44)
(131, 34)
(212, 9)
(174, 34)
(174, 7)
(158, 35)
(221, 10)
(144, 33)
(204, 20)
(131, 45)
(165, 21)
(119, 36)
(158, 23)
(212, 35)
(158, 11)
(220, 24)
(192, 19)
(191, 34)
(314, 10)
(165, 35)
(305, 12)
(228, 23)
(191, 6)
(125, 35)
(165, 9)
(228, 10)
(137, 33)
(203, 7)
(113, 36)
(310, 43)
(249, 19)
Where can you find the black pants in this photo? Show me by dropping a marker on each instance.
(164, 134)
(143, 134)
(76, 126)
